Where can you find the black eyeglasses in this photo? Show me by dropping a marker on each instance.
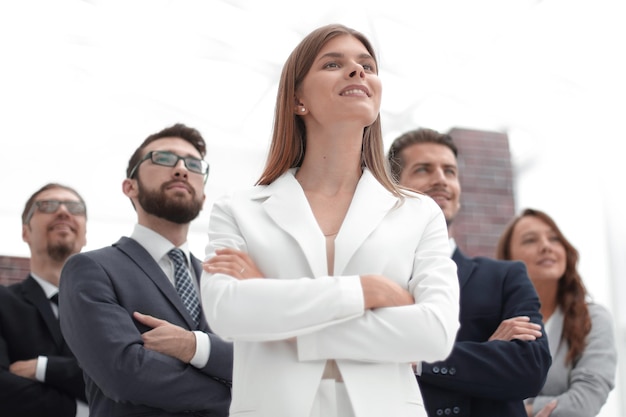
(169, 159)
(51, 206)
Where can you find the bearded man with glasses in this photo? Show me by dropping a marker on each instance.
(39, 375)
(137, 326)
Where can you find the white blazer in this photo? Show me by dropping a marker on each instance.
(286, 326)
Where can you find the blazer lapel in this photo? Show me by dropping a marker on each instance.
(465, 266)
(369, 206)
(288, 207)
(145, 262)
(35, 295)
(554, 331)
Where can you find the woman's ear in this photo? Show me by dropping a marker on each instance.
(299, 107)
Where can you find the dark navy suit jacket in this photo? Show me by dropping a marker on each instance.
(28, 329)
(482, 378)
(101, 289)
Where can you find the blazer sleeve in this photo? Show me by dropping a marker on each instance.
(291, 306)
(64, 373)
(423, 331)
(108, 345)
(327, 315)
(499, 370)
(23, 396)
(593, 375)
(26, 397)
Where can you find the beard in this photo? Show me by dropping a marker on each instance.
(60, 251)
(174, 210)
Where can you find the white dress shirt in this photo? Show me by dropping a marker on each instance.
(82, 409)
(158, 247)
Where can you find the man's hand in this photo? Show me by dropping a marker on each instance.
(25, 369)
(517, 328)
(167, 338)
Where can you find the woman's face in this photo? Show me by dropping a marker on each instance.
(539, 247)
(342, 85)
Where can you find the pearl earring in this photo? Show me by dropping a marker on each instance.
(303, 109)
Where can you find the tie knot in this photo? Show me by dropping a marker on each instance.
(55, 298)
(177, 256)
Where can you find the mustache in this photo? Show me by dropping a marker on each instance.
(189, 188)
(438, 190)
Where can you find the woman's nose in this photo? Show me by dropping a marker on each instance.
(359, 71)
(545, 245)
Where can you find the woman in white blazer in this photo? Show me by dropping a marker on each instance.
(580, 332)
(329, 279)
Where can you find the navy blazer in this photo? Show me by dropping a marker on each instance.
(101, 289)
(482, 378)
(28, 329)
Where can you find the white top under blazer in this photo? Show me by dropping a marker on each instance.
(287, 325)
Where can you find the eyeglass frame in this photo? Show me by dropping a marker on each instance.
(58, 203)
(184, 159)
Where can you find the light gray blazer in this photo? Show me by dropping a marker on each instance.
(581, 388)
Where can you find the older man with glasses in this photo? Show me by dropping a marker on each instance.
(131, 312)
(39, 375)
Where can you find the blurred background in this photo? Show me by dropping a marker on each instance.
(83, 82)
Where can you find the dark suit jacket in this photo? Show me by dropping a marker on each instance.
(482, 378)
(101, 289)
(28, 329)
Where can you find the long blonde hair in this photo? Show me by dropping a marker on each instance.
(288, 145)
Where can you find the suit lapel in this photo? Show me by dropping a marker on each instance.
(465, 266)
(197, 267)
(154, 273)
(33, 292)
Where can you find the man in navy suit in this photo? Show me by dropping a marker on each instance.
(501, 355)
(39, 376)
(130, 311)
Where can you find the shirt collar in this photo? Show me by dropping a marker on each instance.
(156, 245)
(452, 246)
(48, 288)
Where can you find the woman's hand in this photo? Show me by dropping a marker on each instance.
(380, 291)
(232, 262)
(546, 411)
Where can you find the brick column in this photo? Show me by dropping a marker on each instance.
(487, 199)
(13, 269)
